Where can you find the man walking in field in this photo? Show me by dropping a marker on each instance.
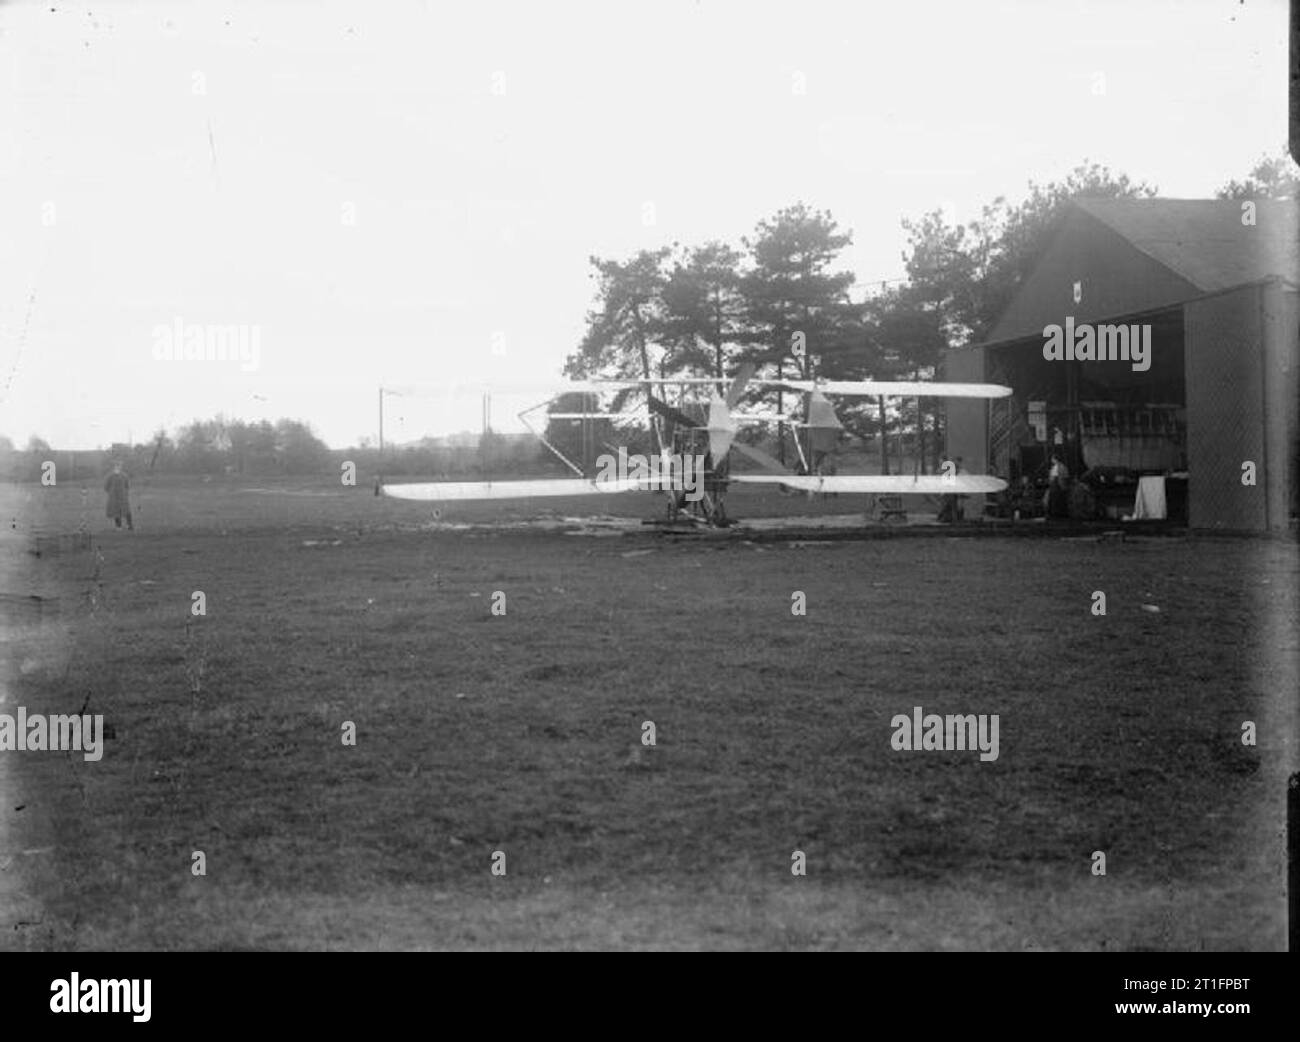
(119, 505)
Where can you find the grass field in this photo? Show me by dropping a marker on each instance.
(522, 733)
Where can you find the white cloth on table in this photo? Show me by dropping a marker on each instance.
(1150, 502)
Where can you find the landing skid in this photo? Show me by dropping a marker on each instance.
(710, 509)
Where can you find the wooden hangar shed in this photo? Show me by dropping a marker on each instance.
(1153, 337)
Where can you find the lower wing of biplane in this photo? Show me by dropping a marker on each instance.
(881, 484)
(924, 484)
(439, 491)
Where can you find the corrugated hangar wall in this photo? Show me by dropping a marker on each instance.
(1240, 353)
(1223, 353)
(1282, 401)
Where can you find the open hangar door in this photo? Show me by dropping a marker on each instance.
(1109, 422)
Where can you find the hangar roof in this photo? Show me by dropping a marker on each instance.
(1205, 241)
(1109, 258)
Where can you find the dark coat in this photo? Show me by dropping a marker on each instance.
(117, 486)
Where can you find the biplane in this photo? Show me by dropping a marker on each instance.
(709, 436)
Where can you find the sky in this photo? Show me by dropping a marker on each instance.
(408, 194)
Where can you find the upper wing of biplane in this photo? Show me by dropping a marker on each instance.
(893, 388)
(849, 388)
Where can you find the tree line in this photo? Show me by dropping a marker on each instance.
(213, 446)
(286, 447)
